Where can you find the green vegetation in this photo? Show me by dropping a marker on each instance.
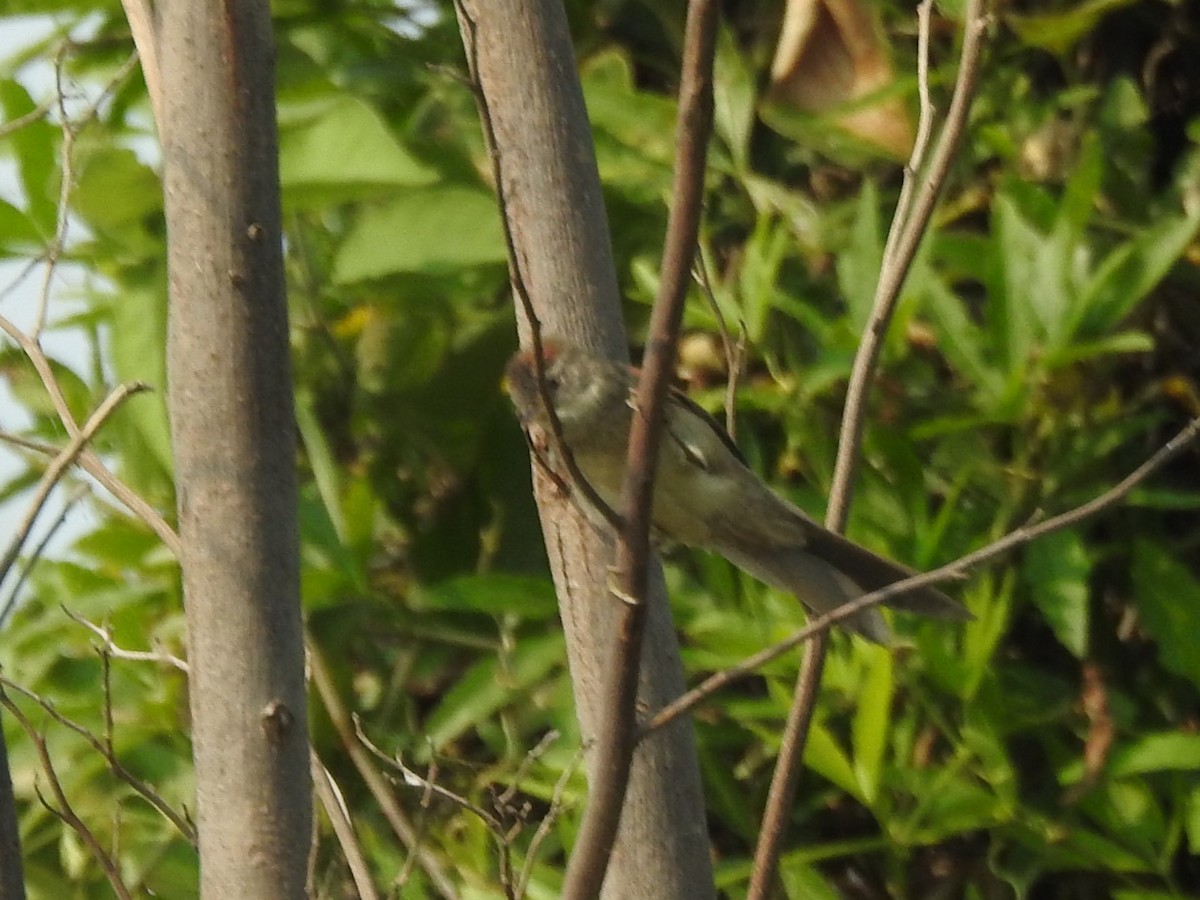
(1046, 344)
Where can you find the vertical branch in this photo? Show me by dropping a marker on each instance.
(561, 259)
(614, 752)
(233, 431)
(12, 875)
(908, 227)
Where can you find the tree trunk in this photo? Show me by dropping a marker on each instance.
(230, 400)
(12, 878)
(526, 69)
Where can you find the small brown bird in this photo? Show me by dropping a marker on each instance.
(705, 495)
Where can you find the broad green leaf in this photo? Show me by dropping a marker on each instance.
(139, 353)
(116, 193)
(426, 230)
(347, 145)
(18, 235)
(963, 342)
(1167, 598)
(1056, 569)
(1172, 751)
(35, 149)
(1192, 820)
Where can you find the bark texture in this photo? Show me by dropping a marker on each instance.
(12, 877)
(230, 400)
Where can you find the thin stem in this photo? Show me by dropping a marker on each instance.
(949, 572)
(617, 734)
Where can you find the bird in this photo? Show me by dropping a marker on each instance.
(705, 495)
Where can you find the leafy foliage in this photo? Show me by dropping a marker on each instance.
(1045, 345)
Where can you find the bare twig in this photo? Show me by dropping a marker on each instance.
(39, 112)
(88, 460)
(111, 648)
(782, 790)
(429, 785)
(59, 465)
(614, 750)
(517, 280)
(105, 749)
(70, 126)
(544, 826)
(949, 572)
(9, 605)
(910, 225)
(64, 811)
(142, 26)
(339, 818)
(403, 827)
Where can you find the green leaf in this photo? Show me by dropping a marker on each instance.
(963, 343)
(1133, 270)
(1170, 751)
(321, 460)
(734, 92)
(859, 262)
(35, 148)
(18, 235)
(491, 685)
(139, 353)
(1168, 601)
(1058, 31)
(823, 755)
(346, 145)
(1056, 569)
(872, 721)
(427, 230)
(116, 193)
(495, 594)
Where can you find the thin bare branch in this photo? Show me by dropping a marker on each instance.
(141, 20)
(339, 819)
(71, 127)
(105, 749)
(111, 648)
(430, 787)
(950, 572)
(406, 832)
(734, 350)
(88, 460)
(910, 225)
(517, 280)
(39, 112)
(9, 605)
(64, 810)
(617, 735)
(59, 465)
(547, 823)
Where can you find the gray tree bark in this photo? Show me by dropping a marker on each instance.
(526, 68)
(12, 877)
(230, 401)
